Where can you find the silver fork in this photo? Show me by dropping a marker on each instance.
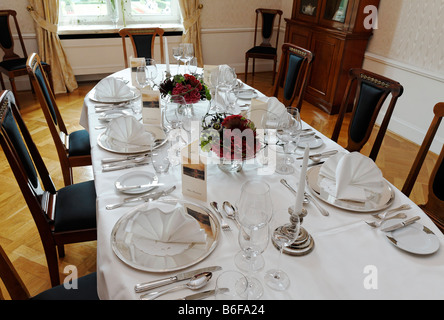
(388, 212)
(224, 225)
(377, 224)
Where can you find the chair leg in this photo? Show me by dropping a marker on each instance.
(53, 263)
(61, 250)
(2, 82)
(274, 70)
(246, 69)
(254, 65)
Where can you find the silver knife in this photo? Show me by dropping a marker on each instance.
(146, 198)
(141, 287)
(128, 166)
(140, 186)
(401, 224)
(111, 160)
(204, 294)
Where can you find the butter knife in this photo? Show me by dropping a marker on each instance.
(401, 224)
(111, 160)
(204, 294)
(146, 198)
(141, 287)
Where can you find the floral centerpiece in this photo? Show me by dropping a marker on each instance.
(231, 137)
(188, 86)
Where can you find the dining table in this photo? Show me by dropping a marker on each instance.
(349, 260)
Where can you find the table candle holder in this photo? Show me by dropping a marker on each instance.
(304, 244)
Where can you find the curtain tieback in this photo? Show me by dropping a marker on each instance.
(40, 21)
(188, 23)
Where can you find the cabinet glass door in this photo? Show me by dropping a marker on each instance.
(309, 7)
(336, 10)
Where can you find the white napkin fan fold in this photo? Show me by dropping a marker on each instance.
(351, 176)
(169, 227)
(127, 129)
(112, 88)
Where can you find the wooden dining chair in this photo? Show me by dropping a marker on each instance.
(294, 71)
(14, 65)
(73, 148)
(434, 206)
(265, 50)
(63, 216)
(86, 288)
(371, 91)
(142, 40)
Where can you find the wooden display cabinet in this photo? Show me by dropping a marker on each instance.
(335, 31)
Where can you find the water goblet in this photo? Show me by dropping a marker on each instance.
(141, 77)
(283, 236)
(173, 110)
(188, 53)
(288, 131)
(193, 65)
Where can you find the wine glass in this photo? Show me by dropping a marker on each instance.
(141, 77)
(231, 285)
(188, 52)
(253, 242)
(151, 69)
(173, 108)
(193, 65)
(283, 237)
(177, 54)
(288, 131)
(255, 205)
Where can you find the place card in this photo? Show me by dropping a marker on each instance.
(194, 173)
(134, 64)
(151, 113)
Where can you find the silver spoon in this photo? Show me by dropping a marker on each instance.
(196, 282)
(377, 224)
(386, 213)
(230, 211)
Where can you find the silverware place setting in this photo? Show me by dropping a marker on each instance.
(148, 197)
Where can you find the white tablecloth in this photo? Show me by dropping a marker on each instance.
(347, 251)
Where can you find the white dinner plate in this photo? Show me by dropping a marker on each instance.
(313, 142)
(414, 238)
(377, 202)
(247, 94)
(112, 145)
(155, 256)
(135, 93)
(136, 178)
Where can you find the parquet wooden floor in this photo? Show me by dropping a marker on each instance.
(18, 233)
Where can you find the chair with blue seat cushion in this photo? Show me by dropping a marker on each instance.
(74, 148)
(143, 41)
(293, 74)
(371, 91)
(434, 206)
(13, 65)
(62, 216)
(85, 287)
(265, 50)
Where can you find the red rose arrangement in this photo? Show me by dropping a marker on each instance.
(230, 137)
(188, 86)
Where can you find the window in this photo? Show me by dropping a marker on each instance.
(118, 13)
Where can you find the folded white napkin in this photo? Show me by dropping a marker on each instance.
(351, 176)
(175, 226)
(129, 130)
(275, 106)
(112, 88)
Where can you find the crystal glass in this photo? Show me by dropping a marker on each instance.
(151, 68)
(177, 54)
(193, 65)
(173, 110)
(146, 74)
(282, 236)
(288, 131)
(255, 205)
(188, 52)
(231, 285)
(253, 242)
